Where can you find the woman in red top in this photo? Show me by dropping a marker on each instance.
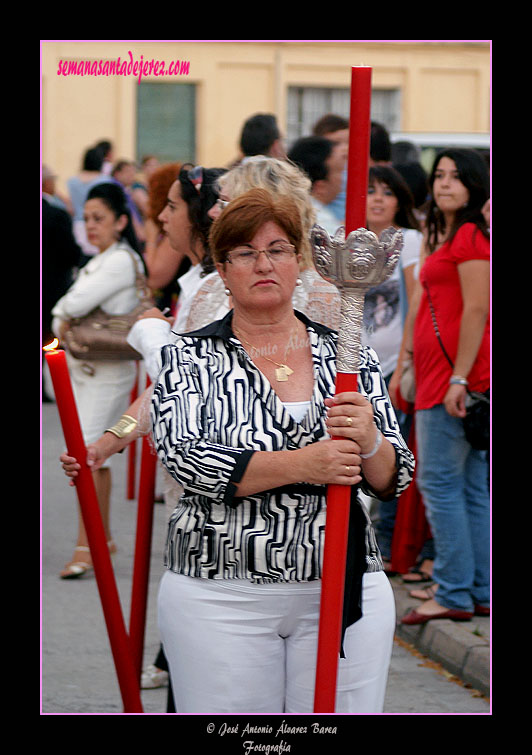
(453, 289)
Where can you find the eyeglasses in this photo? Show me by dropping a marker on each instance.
(245, 257)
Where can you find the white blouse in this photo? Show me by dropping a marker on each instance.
(107, 280)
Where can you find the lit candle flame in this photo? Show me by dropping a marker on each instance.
(51, 346)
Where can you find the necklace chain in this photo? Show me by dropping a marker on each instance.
(283, 371)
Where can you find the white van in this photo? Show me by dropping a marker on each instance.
(430, 143)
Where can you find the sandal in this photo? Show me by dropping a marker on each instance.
(76, 569)
(418, 575)
(153, 677)
(426, 593)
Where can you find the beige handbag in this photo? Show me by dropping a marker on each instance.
(101, 337)
(407, 382)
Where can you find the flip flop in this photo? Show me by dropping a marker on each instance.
(415, 570)
(426, 593)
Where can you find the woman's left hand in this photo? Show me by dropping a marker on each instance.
(350, 415)
(454, 400)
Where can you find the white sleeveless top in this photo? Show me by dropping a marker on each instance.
(297, 409)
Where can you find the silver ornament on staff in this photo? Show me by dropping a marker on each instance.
(354, 265)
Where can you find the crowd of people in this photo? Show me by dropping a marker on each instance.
(240, 349)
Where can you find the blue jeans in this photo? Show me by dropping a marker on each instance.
(453, 480)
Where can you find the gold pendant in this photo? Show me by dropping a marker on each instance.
(282, 373)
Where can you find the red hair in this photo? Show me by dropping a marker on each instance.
(158, 186)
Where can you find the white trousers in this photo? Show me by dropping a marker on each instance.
(237, 647)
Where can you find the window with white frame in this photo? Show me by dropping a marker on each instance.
(307, 104)
(386, 108)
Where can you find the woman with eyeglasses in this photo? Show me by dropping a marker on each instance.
(241, 420)
(204, 297)
(242, 416)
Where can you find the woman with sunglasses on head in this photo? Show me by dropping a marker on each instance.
(186, 221)
(238, 410)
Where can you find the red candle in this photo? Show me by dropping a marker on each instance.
(332, 582)
(358, 157)
(92, 519)
(132, 450)
(339, 496)
(141, 570)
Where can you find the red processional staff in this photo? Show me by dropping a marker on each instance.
(120, 646)
(354, 260)
(132, 450)
(141, 567)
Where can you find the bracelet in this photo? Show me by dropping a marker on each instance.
(457, 380)
(123, 427)
(375, 447)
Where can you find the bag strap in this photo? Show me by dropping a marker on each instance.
(140, 278)
(433, 315)
(403, 298)
(434, 322)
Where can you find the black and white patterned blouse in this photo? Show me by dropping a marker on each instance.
(211, 410)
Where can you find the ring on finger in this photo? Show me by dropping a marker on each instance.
(348, 470)
(349, 421)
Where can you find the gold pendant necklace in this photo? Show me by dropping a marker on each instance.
(283, 371)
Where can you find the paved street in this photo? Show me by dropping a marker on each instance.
(78, 674)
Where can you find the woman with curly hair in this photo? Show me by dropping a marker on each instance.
(313, 295)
